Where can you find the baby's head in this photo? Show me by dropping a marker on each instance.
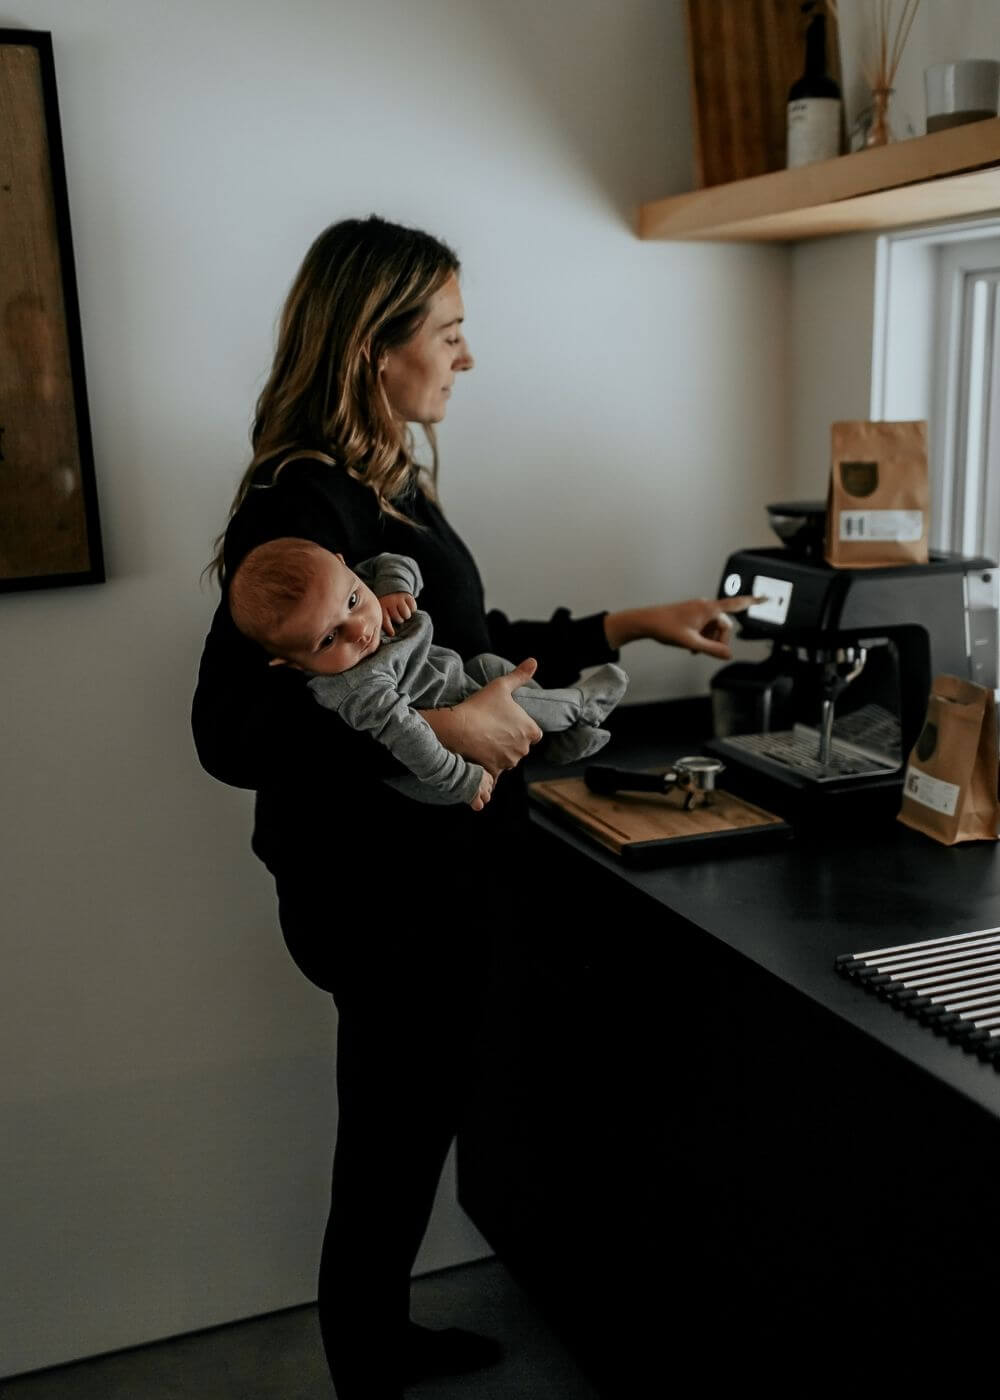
(305, 606)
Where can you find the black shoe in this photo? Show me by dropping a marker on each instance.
(447, 1353)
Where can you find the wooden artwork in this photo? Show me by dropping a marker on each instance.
(744, 55)
(49, 530)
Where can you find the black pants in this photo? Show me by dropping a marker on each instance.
(410, 1009)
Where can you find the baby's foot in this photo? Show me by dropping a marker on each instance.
(573, 745)
(601, 693)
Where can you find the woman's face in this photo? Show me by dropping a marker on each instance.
(418, 376)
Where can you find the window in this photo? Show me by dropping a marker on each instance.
(937, 356)
(968, 398)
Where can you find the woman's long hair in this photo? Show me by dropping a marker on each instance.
(362, 289)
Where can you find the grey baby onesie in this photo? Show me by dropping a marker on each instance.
(408, 672)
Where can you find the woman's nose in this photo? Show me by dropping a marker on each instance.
(464, 360)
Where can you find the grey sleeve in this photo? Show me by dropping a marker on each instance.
(391, 573)
(381, 711)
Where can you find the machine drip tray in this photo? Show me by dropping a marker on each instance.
(796, 749)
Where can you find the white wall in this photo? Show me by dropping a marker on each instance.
(830, 310)
(166, 1076)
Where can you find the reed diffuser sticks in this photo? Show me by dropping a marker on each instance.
(891, 28)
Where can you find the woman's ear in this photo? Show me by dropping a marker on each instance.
(366, 353)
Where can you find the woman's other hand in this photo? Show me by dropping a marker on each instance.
(700, 624)
(490, 728)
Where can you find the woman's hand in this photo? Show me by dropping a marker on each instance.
(700, 624)
(490, 728)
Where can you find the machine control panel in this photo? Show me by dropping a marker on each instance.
(778, 595)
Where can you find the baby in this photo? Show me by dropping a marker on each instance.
(371, 657)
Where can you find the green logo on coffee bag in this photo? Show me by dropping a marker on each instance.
(859, 478)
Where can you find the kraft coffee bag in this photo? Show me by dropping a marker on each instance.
(950, 788)
(877, 508)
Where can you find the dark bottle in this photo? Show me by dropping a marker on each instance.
(814, 104)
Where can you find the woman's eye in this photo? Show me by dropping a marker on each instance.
(353, 600)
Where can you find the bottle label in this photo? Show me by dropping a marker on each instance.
(813, 130)
(902, 526)
(931, 792)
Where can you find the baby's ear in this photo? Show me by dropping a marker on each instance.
(280, 661)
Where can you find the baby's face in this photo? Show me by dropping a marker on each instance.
(338, 622)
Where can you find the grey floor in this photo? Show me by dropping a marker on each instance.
(279, 1357)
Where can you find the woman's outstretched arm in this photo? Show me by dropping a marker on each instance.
(699, 624)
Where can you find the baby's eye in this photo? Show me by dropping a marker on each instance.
(328, 641)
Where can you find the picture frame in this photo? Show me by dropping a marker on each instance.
(49, 524)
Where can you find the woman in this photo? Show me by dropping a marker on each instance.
(384, 902)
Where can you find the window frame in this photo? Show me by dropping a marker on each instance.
(936, 291)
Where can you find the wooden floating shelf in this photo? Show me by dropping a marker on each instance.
(947, 175)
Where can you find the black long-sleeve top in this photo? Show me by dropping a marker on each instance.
(319, 794)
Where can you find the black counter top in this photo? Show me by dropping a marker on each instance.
(793, 909)
(689, 1125)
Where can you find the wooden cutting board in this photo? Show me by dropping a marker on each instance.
(647, 829)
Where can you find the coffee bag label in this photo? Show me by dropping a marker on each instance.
(931, 792)
(879, 526)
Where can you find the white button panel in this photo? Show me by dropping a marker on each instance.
(778, 592)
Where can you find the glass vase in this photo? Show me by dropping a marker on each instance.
(881, 123)
(880, 131)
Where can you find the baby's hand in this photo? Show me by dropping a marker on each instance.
(484, 794)
(396, 607)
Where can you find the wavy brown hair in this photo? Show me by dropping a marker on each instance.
(363, 288)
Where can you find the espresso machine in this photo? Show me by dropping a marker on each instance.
(827, 721)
